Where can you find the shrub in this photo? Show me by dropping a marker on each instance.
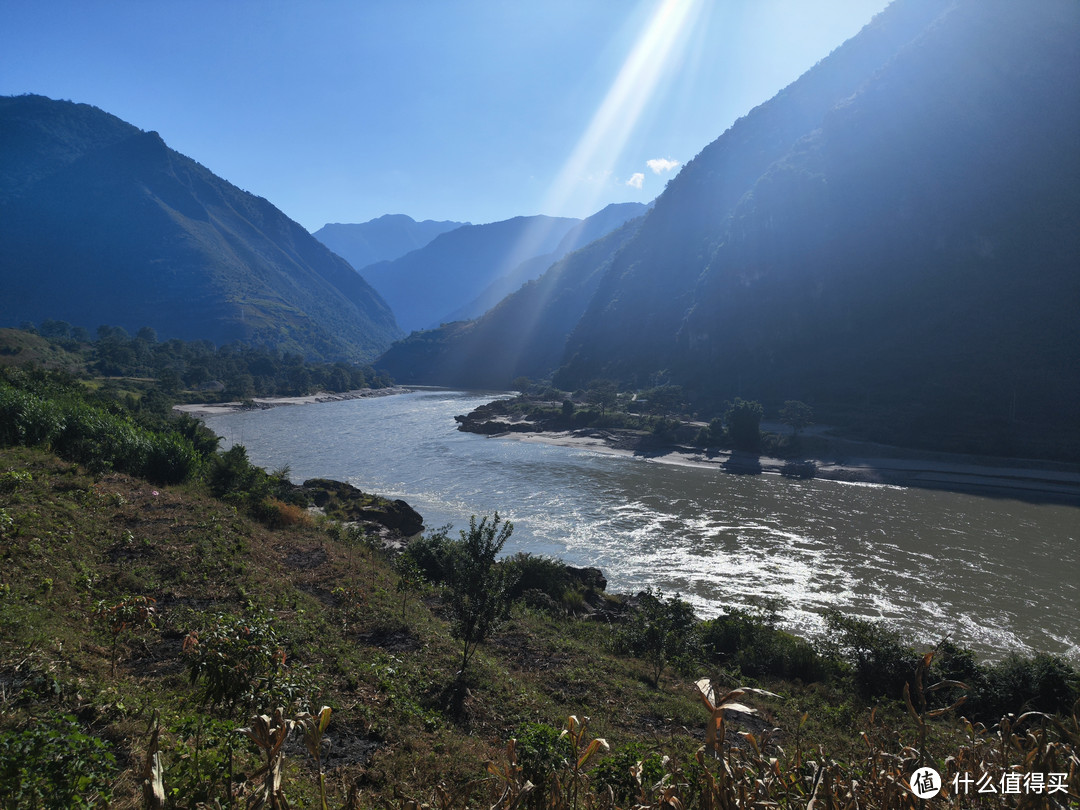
(881, 662)
(752, 642)
(538, 572)
(233, 475)
(542, 750)
(1045, 683)
(241, 663)
(479, 588)
(659, 631)
(276, 513)
(52, 763)
(617, 772)
(432, 554)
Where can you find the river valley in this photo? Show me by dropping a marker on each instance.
(995, 574)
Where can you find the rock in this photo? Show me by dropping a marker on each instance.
(590, 578)
(345, 502)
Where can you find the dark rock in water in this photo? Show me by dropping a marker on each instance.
(799, 469)
(345, 502)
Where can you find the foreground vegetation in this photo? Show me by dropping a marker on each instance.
(181, 629)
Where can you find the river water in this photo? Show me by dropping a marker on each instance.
(994, 574)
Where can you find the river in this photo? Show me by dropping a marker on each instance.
(994, 574)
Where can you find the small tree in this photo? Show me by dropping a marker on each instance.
(743, 420)
(796, 415)
(659, 631)
(130, 613)
(478, 586)
(604, 393)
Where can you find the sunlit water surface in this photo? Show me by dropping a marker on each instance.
(994, 574)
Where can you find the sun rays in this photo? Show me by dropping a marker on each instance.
(600, 146)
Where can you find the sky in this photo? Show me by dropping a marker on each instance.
(467, 110)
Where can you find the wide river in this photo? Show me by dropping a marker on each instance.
(994, 574)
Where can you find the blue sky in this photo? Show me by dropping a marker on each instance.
(474, 110)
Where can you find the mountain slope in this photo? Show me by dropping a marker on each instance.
(103, 223)
(892, 238)
(386, 238)
(524, 335)
(588, 230)
(455, 267)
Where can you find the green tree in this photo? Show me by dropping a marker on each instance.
(796, 415)
(603, 393)
(743, 420)
(478, 586)
(661, 630)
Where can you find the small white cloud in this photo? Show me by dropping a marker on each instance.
(659, 165)
(637, 179)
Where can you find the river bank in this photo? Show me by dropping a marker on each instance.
(848, 461)
(262, 403)
(983, 479)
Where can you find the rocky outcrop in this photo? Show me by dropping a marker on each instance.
(345, 502)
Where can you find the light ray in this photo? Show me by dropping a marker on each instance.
(602, 143)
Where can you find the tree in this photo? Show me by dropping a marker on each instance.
(743, 420)
(603, 393)
(796, 415)
(659, 631)
(478, 586)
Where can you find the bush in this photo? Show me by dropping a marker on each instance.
(233, 475)
(882, 664)
(88, 434)
(542, 750)
(538, 572)
(432, 554)
(615, 772)
(52, 763)
(756, 646)
(478, 587)
(241, 663)
(276, 513)
(1045, 683)
(659, 631)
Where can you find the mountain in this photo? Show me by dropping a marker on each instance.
(386, 238)
(423, 286)
(892, 239)
(588, 230)
(524, 335)
(102, 223)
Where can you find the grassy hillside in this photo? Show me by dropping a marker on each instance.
(138, 616)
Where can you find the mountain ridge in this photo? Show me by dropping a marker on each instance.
(384, 238)
(890, 238)
(104, 223)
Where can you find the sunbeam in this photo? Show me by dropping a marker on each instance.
(600, 146)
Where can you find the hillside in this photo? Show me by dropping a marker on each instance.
(386, 238)
(524, 335)
(890, 239)
(590, 229)
(455, 267)
(101, 222)
(141, 616)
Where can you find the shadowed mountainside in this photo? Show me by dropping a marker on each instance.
(101, 222)
(892, 238)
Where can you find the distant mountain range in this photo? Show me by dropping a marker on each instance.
(383, 239)
(102, 223)
(465, 271)
(894, 239)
